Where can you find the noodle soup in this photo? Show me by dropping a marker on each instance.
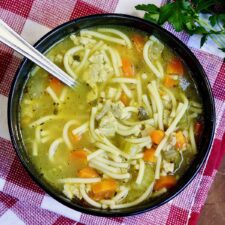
(127, 133)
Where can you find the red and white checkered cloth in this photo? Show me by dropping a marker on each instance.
(21, 200)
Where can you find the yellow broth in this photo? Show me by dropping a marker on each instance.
(37, 103)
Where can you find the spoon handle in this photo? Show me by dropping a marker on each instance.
(15, 41)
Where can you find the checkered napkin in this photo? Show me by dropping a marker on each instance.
(21, 200)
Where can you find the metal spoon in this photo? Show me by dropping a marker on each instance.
(15, 41)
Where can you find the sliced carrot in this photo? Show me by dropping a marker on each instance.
(157, 136)
(80, 155)
(139, 42)
(124, 99)
(198, 128)
(104, 189)
(175, 66)
(180, 139)
(88, 172)
(165, 182)
(74, 138)
(170, 82)
(56, 85)
(149, 155)
(128, 68)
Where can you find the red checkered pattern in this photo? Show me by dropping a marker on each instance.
(21, 200)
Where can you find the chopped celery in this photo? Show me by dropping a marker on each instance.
(131, 148)
(184, 120)
(136, 190)
(156, 48)
(92, 95)
(172, 156)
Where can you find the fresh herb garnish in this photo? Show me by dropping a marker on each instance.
(185, 15)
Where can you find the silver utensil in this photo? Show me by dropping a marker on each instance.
(15, 41)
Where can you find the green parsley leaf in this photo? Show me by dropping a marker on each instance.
(152, 17)
(202, 5)
(185, 15)
(213, 20)
(150, 8)
(222, 49)
(203, 40)
(166, 12)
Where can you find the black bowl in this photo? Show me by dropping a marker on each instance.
(197, 74)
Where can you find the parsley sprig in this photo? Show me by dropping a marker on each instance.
(185, 15)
